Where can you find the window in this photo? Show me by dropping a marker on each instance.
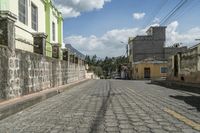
(34, 17)
(163, 70)
(53, 31)
(23, 11)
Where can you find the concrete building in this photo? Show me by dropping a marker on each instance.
(185, 66)
(148, 54)
(35, 18)
(148, 46)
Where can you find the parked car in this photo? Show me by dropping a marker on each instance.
(117, 77)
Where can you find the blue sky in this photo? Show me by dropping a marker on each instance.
(96, 28)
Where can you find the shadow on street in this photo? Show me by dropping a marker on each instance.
(101, 113)
(178, 88)
(191, 100)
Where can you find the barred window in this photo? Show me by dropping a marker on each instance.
(34, 17)
(23, 11)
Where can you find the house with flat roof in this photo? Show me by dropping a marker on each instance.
(148, 54)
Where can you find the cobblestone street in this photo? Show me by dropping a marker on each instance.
(100, 106)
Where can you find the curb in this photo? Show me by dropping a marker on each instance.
(194, 88)
(16, 105)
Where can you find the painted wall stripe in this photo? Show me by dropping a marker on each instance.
(184, 119)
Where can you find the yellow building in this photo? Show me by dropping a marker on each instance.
(149, 69)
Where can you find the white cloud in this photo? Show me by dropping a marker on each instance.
(187, 38)
(74, 8)
(156, 20)
(110, 44)
(138, 16)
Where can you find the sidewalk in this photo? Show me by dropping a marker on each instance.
(15, 105)
(190, 87)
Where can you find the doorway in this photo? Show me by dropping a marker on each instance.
(147, 73)
(176, 65)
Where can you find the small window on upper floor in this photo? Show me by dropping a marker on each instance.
(53, 31)
(23, 11)
(34, 17)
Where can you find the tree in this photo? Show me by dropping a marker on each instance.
(107, 66)
(94, 60)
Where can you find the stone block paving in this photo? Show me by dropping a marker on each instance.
(106, 106)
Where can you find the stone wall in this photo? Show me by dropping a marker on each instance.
(187, 66)
(188, 61)
(169, 51)
(22, 73)
(3, 71)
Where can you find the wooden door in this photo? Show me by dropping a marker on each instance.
(147, 73)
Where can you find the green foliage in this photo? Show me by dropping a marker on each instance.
(104, 68)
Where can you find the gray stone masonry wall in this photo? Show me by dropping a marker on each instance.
(7, 31)
(7, 46)
(23, 73)
(40, 43)
(3, 71)
(188, 61)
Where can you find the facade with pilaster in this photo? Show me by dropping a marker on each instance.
(36, 18)
(25, 66)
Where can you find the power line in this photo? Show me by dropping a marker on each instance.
(154, 13)
(173, 11)
(164, 18)
(189, 5)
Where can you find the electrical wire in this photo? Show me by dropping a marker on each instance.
(180, 2)
(155, 13)
(173, 11)
(188, 7)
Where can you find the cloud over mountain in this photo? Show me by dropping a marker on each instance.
(109, 44)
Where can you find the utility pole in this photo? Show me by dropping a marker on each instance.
(127, 53)
(126, 49)
(127, 71)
